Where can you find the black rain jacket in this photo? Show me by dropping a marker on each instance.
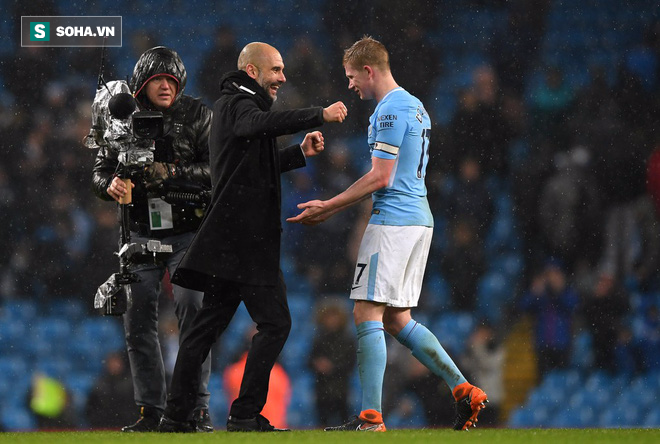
(185, 143)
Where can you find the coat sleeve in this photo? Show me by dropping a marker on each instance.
(291, 157)
(200, 170)
(105, 166)
(250, 121)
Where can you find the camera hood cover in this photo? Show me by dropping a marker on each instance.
(106, 129)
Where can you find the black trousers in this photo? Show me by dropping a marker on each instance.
(268, 308)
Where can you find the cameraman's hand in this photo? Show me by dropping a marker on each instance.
(157, 172)
(117, 188)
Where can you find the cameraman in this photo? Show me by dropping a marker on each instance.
(181, 159)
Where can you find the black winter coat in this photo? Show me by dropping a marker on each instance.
(239, 239)
(188, 149)
(185, 143)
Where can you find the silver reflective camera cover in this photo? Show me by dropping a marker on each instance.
(106, 129)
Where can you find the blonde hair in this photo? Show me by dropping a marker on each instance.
(367, 51)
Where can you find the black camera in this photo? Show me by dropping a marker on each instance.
(148, 125)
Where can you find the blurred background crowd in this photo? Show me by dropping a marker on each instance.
(544, 181)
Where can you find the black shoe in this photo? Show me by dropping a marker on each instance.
(256, 424)
(168, 425)
(360, 424)
(148, 421)
(203, 421)
(468, 408)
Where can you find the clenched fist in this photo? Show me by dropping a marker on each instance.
(335, 113)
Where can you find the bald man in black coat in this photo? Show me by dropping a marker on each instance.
(235, 255)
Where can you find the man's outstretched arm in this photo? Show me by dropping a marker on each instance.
(317, 211)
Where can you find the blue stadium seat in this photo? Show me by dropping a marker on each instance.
(106, 331)
(55, 367)
(50, 336)
(452, 329)
(13, 334)
(621, 416)
(13, 366)
(653, 380)
(17, 419)
(563, 381)
(582, 350)
(21, 309)
(493, 292)
(501, 235)
(301, 306)
(550, 398)
(302, 411)
(233, 340)
(71, 309)
(436, 293)
(218, 404)
(643, 398)
(580, 399)
(652, 418)
(574, 418)
(414, 419)
(522, 417)
(87, 354)
(538, 415)
(296, 352)
(510, 264)
(601, 381)
(17, 388)
(79, 385)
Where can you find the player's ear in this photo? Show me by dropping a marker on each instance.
(252, 70)
(369, 70)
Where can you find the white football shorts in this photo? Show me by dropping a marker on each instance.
(391, 263)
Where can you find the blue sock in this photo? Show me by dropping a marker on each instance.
(371, 358)
(426, 348)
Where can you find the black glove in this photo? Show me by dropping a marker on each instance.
(157, 172)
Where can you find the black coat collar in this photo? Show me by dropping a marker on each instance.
(239, 82)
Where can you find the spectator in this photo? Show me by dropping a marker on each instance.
(550, 104)
(551, 301)
(50, 403)
(569, 214)
(409, 383)
(516, 48)
(647, 339)
(483, 358)
(479, 128)
(332, 360)
(331, 272)
(630, 245)
(605, 305)
(470, 197)
(221, 58)
(110, 402)
(463, 264)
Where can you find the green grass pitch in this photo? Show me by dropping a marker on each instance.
(484, 436)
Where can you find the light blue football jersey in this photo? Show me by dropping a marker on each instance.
(400, 129)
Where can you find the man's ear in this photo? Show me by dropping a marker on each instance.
(252, 70)
(369, 70)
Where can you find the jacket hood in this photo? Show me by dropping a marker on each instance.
(153, 62)
(239, 82)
